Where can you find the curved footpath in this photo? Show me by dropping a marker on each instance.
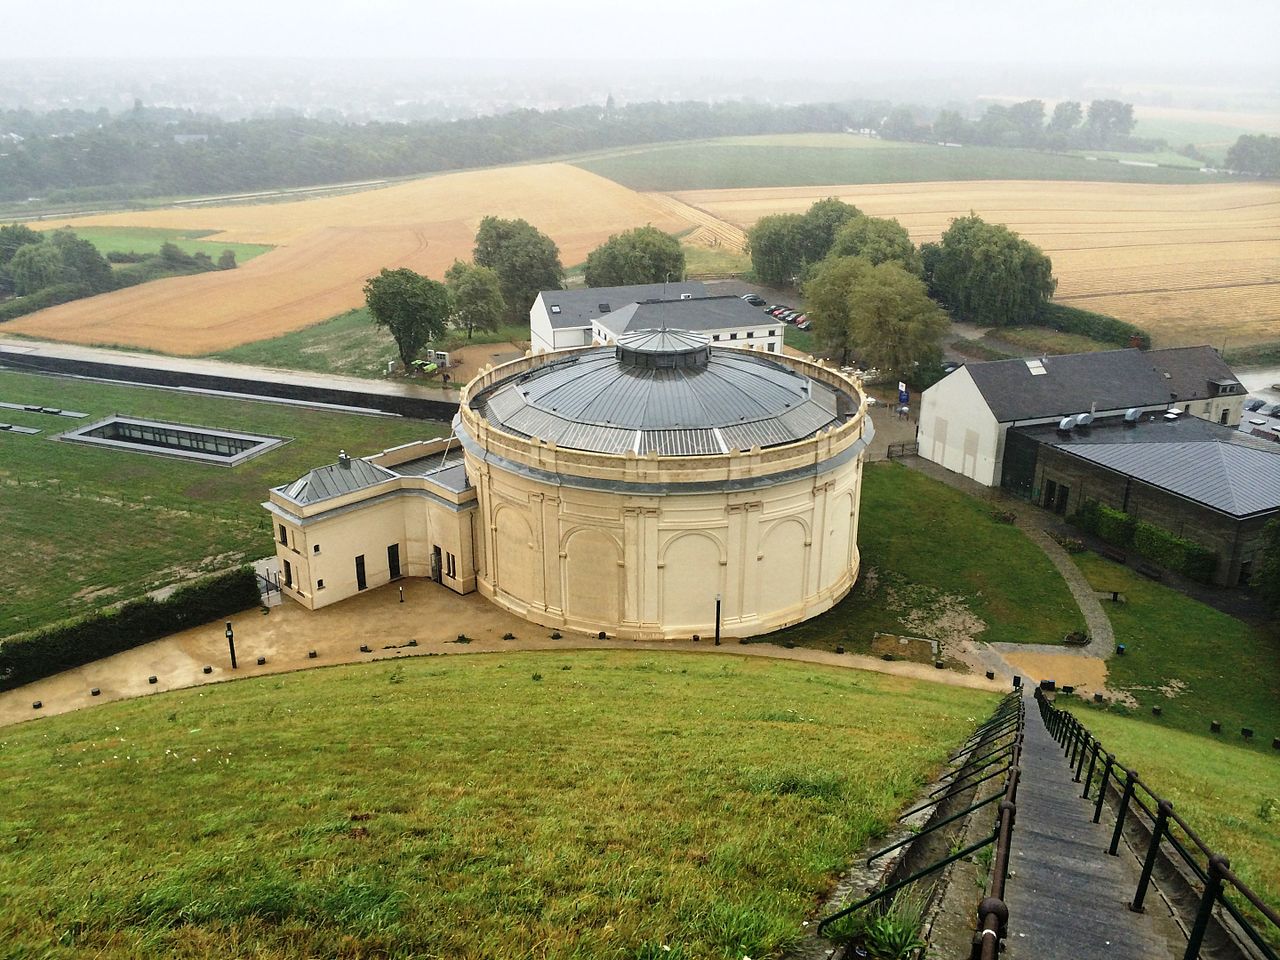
(432, 617)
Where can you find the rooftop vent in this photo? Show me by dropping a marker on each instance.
(343, 460)
(659, 349)
(1066, 423)
(1172, 413)
(686, 296)
(1132, 416)
(604, 307)
(1084, 419)
(1037, 368)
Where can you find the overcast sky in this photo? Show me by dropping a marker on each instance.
(791, 33)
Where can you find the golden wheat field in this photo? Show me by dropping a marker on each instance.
(327, 247)
(1191, 264)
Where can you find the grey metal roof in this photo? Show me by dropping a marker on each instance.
(579, 307)
(593, 401)
(334, 480)
(1214, 465)
(1236, 479)
(1188, 371)
(705, 313)
(447, 469)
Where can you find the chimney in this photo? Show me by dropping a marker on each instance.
(343, 460)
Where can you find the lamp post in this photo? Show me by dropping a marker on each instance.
(717, 619)
(231, 644)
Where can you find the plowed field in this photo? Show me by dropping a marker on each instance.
(1190, 263)
(327, 247)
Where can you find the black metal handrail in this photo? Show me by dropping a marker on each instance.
(1215, 874)
(995, 728)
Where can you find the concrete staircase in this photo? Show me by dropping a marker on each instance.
(1068, 900)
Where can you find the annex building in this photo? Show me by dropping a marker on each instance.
(965, 417)
(635, 488)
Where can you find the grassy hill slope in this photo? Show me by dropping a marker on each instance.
(531, 805)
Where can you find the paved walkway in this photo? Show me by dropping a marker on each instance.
(431, 617)
(1067, 898)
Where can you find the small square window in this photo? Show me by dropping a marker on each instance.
(315, 548)
(773, 333)
(750, 334)
(715, 336)
(319, 584)
(733, 336)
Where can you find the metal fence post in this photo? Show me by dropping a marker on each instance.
(1076, 740)
(1218, 865)
(1130, 779)
(1102, 786)
(1163, 809)
(1088, 780)
(1084, 748)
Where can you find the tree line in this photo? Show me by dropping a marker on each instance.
(82, 156)
(512, 262)
(39, 270)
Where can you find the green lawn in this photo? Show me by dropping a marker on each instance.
(548, 806)
(783, 161)
(351, 345)
(699, 259)
(149, 239)
(1044, 340)
(82, 527)
(934, 561)
(1230, 794)
(1195, 663)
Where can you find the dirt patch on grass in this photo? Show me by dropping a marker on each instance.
(1087, 674)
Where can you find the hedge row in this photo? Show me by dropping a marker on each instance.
(48, 297)
(73, 643)
(1097, 326)
(1147, 540)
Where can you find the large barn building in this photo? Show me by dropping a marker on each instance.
(640, 489)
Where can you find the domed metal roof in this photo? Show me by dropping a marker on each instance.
(666, 392)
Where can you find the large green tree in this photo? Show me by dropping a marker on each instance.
(985, 273)
(414, 308)
(1258, 154)
(84, 264)
(36, 266)
(1108, 121)
(784, 246)
(477, 297)
(827, 297)
(877, 240)
(642, 255)
(894, 324)
(525, 260)
(13, 236)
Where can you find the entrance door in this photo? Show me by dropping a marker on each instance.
(435, 564)
(1064, 493)
(1050, 494)
(393, 560)
(360, 581)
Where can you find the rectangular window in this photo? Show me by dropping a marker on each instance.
(773, 333)
(750, 334)
(360, 580)
(715, 336)
(284, 534)
(451, 566)
(315, 548)
(733, 336)
(319, 584)
(771, 350)
(288, 574)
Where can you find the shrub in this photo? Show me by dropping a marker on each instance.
(73, 643)
(1096, 326)
(48, 297)
(1176, 553)
(1116, 526)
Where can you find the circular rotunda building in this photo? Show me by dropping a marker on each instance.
(654, 486)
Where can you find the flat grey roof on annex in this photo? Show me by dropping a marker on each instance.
(577, 308)
(696, 315)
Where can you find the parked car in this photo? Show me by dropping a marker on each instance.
(777, 309)
(1254, 403)
(951, 366)
(801, 319)
(790, 316)
(1270, 410)
(754, 299)
(804, 325)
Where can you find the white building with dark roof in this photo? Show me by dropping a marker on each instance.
(965, 416)
(726, 320)
(560, 319)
